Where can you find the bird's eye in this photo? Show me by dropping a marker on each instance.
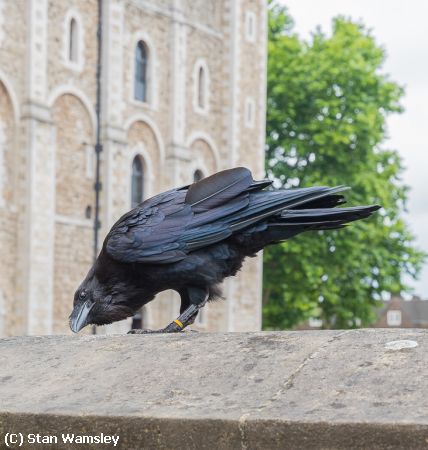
(83, 295)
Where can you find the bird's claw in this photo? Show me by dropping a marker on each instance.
(139, 331)
(162, 330)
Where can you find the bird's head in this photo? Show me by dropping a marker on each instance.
(98, 304)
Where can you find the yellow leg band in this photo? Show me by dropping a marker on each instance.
(179, 323)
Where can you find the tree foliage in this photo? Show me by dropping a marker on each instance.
(327, 105)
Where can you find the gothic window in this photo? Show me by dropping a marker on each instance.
(250, 26)
(249, 117)
(201, 88)
(137, 182)
(201, 93)
(140, 76)
(73, 41)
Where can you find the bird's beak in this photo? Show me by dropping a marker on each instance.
(79, 316)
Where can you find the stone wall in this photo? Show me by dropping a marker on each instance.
(12, 78)
(7, 210)
(13, 46)
(354, 389)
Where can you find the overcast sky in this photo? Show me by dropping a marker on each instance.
(402, 29)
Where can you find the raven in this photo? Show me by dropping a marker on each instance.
(189, 239)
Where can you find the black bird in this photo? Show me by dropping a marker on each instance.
(189, 239)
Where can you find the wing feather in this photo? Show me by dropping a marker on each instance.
(218, 189)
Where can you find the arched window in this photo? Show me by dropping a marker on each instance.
(250, 26)
(201, 88)
(140, 78)
(198, 175)
(137, 182)
(250, 110)
(73, 41)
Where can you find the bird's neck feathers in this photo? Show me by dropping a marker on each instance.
(122, 281)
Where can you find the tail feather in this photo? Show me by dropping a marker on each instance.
(292, 222)
(232, 203)
(267, 204)
(330, 201)
(326, 215)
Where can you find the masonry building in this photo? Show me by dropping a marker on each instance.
(182, 95)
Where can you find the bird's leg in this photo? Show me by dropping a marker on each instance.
(179, 324)
(192, 300)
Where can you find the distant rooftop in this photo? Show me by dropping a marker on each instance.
(414, 310)
(394, 313)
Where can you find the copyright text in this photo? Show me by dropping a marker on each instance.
(14, 440)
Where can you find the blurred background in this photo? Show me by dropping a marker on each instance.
(104, 103)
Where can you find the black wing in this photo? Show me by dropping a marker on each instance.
(158, 230)
(167, 227)
(149, 232)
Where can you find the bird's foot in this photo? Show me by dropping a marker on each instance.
(140, 331)
(176, 326)
(162, 330)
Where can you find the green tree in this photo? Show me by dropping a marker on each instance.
(327, 105)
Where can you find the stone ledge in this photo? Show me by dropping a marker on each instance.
(267, 390)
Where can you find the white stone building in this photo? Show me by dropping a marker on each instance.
(182, 96)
